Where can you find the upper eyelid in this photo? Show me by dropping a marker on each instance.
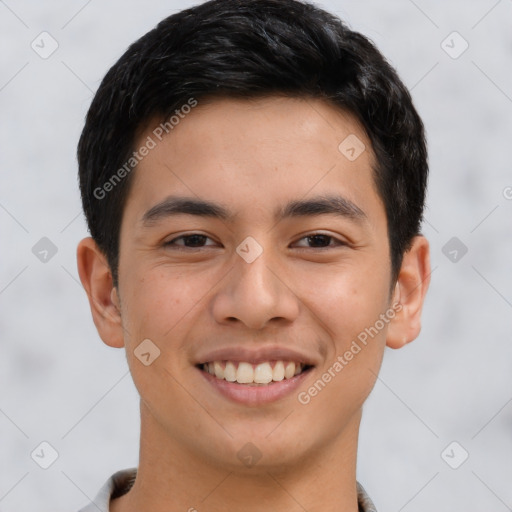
(167, 242)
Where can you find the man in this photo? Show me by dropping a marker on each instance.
(253, 175)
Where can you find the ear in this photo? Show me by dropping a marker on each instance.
(96, 278)
(411, 287)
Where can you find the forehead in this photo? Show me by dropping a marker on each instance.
(239, 125)
(256, 151)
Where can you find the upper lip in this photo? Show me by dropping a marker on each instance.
(256, 355)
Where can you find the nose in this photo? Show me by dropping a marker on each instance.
(255, 294)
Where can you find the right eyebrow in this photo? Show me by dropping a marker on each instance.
(183, 205)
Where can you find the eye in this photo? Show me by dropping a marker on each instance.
(321, 241)
(192, 241)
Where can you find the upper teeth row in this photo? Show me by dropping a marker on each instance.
(246, 373)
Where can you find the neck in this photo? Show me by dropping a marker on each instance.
(173, 478)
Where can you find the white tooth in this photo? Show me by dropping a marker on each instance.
(219, 372)
(263, 373)
(278, 372)
(245, 373)
(298, 368)
(230, 372)
(289, 370)
(211, 369)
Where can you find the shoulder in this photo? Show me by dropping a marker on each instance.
(364, 501)
(117, 485)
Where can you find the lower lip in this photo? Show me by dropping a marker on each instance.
(256, 395)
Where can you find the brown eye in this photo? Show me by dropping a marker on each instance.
(192, 241)
(320, 241)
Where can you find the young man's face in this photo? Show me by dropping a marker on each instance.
(271, 280)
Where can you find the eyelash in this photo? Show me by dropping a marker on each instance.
(171, 243)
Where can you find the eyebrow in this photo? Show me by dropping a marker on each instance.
(320, 205)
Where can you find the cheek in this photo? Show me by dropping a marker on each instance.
(345, 299)
(348, 310)
(156, 301)
(157, 306)
(347, 305)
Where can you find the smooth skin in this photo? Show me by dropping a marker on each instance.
(191, 295)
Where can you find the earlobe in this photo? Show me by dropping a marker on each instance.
(411, 287)
(96, 279)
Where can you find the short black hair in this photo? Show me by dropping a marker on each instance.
(249, 49)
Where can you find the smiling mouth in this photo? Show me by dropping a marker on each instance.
(261, 374)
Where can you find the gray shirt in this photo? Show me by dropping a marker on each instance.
(121, 482)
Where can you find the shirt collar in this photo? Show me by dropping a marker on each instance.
(121, 482)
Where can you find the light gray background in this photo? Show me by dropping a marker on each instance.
(59, 383)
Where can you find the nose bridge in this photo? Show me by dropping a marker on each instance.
(254, 292)
(256, 278)
(253, 263)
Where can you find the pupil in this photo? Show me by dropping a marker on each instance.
(195, 239)
(320, 238)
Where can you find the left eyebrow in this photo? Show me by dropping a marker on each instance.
(320, 205)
